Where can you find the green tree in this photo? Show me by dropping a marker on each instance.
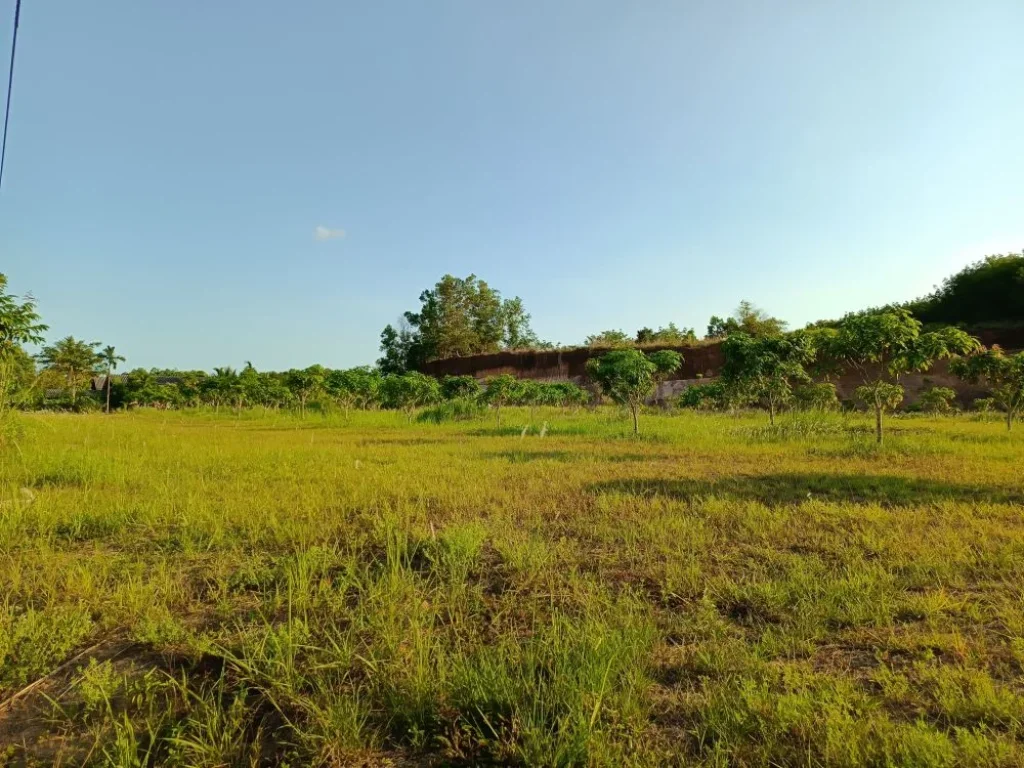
(251, 386)
(458, 317)
(109, 359)
(453, 387)
(19, 324)
(74, 360)
(408, 391)
(670, 334)
(353, 388)
(883, 345)
(767, 367)
(748, 319)
(501, 390)
(937, 400)
(305, 384)
(1004, 375)
(610, 338)
(988, 291)
(628, 376)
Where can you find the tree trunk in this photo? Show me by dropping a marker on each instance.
(109, 386)
(497, 411)
(633, 408)
(771, 413)
(878, 424)
(1009, 419)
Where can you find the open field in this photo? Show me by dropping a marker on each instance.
(269, 591)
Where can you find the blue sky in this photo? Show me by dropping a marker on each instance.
(615, 164)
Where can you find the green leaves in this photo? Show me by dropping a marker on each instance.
(19, 321)
(628, 376)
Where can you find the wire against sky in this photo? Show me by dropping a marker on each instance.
(10, 83)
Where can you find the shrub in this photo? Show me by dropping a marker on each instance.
(937, 400)
(984, 404)
(706, 397)
(818, 397)
(456, 409)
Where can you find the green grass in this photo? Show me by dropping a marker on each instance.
(368, 591)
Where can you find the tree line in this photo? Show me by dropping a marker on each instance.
(765, 364)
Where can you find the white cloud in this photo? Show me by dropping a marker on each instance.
(322, 234)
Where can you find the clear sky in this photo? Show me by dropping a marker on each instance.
(617, 164)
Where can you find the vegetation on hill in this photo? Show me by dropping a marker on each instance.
(989, 292)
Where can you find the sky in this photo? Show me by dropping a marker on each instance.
(205, 183)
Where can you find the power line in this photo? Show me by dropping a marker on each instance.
(10, 83)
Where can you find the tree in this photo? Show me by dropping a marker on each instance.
(74, 360)
(612, 338)
(565, 394)
(499, 391)
(19, 324)
(628, 376)
(251, 386)
(531, 394)
(748, 319)
(109, 358)
(670, 334)
(767, 367)
(937, 400)
(988, 291)
(883, 345)
(305, 384)
(453, 387)
(1004, 375)
(409, 391)
(458, 317)
(227, 386)
(353, 388)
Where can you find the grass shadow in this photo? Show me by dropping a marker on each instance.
(791, 488)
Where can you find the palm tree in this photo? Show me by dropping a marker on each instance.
(72, 358)
(110, 358)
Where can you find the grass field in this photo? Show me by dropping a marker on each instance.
(268, 591)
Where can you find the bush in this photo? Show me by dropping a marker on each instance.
(457, 409)
(817, 397)
(937, 400)
(706, 397)
(984, 404)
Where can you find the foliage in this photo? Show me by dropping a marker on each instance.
(817, 396)
(937, 400)
(501, 390)
(748, 319)
(453, 409)
(670, 334)
(628, 376)
(354, 387)
(988, 291)
(612, 338)
(75, 360)
(883, 345)
(767, 367)
(1004, 375)
(19, 322)
(457, 317)
(305, 383)
(460, 387)
(408, 391)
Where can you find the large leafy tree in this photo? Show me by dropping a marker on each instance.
(881, 346)
(766, 367)
(1004, 375)
(74, 360)
(19, 324)
(748, 319)
(628, 376)
(456, 318)
(109, 359)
